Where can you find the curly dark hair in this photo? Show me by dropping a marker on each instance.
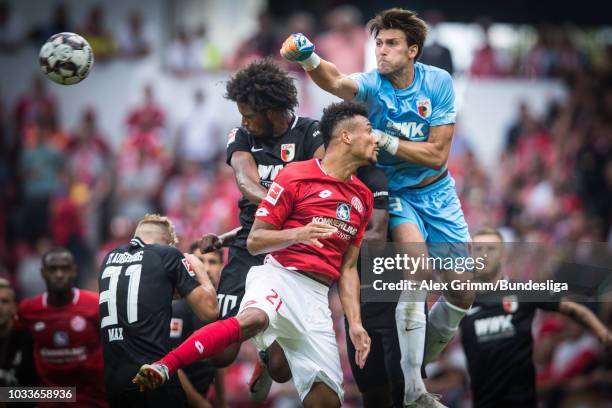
(263, 86)
(407, 21)
(336, 113)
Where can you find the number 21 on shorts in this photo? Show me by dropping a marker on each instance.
(275, 299)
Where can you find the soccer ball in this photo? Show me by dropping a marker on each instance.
(66, 58)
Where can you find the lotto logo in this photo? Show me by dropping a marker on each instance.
(199, 346)
(274, 193)
(325, 193)
(262, 212)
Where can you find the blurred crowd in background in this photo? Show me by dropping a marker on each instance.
(72, 187)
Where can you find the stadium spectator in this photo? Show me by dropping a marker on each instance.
(485, 63)
(298, 22)
(32, 103)
(16, 358)
(345, 40)
(88, 164)
(131, 41)
(263, 43)
(28, 280)
(64, 324)
(435, 53)
(208, 52)
(99, 37)
(149, 114)
(40, 167)
(183, 57)
(88, 151)
(59, 23)
(11, 31)
(139, 181)
(199, 137)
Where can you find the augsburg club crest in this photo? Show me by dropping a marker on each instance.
(424, 107)
(288, 152)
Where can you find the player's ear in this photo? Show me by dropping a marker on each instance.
(413, 50)
(346, 136)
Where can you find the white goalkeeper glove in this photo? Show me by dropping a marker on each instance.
(386, 142)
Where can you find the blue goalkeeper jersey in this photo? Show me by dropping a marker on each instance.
(407, 113)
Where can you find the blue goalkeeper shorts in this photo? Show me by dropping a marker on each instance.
(435, 209)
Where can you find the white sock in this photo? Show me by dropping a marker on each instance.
(411, 322)
(442, 324)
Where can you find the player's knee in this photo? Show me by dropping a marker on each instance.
(277, 363)
(252, 321)
(279, 370)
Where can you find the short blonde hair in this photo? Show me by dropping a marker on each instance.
(163, 222)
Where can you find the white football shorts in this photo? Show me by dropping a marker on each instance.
(299, 320)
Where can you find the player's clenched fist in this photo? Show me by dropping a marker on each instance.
(311, 233)
(298, 48)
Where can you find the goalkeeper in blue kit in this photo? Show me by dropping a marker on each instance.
(412, 107)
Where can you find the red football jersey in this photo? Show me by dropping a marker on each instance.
(67, 349)
(302, 193)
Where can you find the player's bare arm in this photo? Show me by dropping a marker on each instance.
(203, 299)
(297, 48)
(328, 78)
(264, 237)
(585, 317)
(212, 242)
(247, 177)
(348, 290)
(433, 153)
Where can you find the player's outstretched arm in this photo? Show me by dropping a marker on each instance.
(585, 317)
(203, 299)
(298, 48)
(264, 237)
(247, 177)
(348, 290)
(212, 242)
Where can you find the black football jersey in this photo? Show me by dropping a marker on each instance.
(376, 314)
(137, 283)
(271, 154)
(498, 344)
